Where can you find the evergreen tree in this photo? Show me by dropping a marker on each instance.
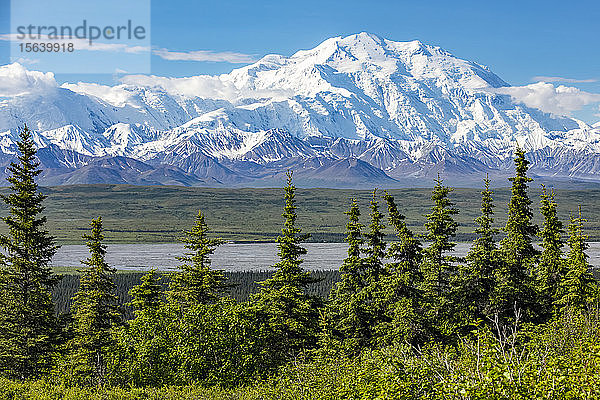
(28, 326)
(513, 290)
(145, 346)
(407, 252)
(578, 287)
(197, 283)
(289, 316)
(375, 243)
(549, 269)
(476, 279)
(96, 310)
(147, 296)
(352, 270)
(345, 324)
(439, 269)
(520, 230)
(370, 299)
(440, 225)
(400, 296)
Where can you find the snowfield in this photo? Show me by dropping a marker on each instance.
(354, 111)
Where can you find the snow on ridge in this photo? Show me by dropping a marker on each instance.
(382, 98)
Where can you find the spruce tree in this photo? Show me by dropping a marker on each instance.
(96, 310)
(476, 279)
(28, 325)
(352, 269)
(439, 269)
(197, 283)
(513, 292)
(549, 268)
(344, 325)
(147, 296)
(288, 314)
(351, 315)
(400, 296)
(374, 243)
(520, 230)
(371, 298)
(440, 225)
(146, 345)
(578, 288)
(407, 251)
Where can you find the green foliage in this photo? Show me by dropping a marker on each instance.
(369, 298)
(438, 268)
(518, 244)
(578, 288)
(142, 352)
(222, 344)
(400, 296)
(148, 296)
(288, 315)
(28, 326)
(513, 289)
(344, 325)
(96, 312)
(48, 390)
(352, 269)
(197, 283)
(550, 268)
(212, 343)
(476, 280)
(558, 360)
(374, 244)
(402, 322)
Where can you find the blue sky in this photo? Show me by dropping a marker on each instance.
(518, 40)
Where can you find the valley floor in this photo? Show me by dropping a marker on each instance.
(158, 214)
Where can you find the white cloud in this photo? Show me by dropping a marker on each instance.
(559, 100)
(205, 55)
(16, 80)
(197, 55)
(203, 86)
(561, 79)
(114, 95)
(194, 86)
(25, 60)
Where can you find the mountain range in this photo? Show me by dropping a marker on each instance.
(356, 111)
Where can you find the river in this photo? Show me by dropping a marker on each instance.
(230, 257)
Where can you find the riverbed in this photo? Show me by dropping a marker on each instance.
(229, 257)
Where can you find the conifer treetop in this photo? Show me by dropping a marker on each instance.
(440, 225)
(197, 283)
(520, 229)
(289, 271)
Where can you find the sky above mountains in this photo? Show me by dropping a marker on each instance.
(524, 43)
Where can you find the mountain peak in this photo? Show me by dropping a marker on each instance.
(407, 109)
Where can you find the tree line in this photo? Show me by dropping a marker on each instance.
(409, 291)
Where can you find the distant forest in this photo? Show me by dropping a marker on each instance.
(403, 318)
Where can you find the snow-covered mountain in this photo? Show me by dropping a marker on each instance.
(354, 111)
